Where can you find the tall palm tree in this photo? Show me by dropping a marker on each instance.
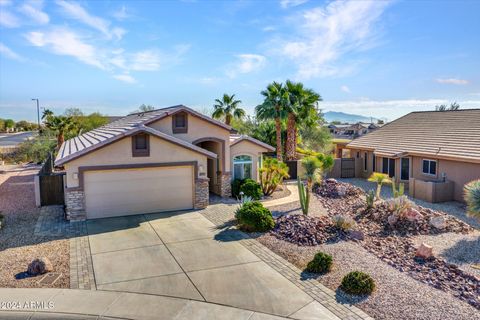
(229, 108)
(302, 107)
(59, 124)
(273, 107)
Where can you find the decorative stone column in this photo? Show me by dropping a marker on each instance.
(225, 184)
(75, 205)
(201, 192)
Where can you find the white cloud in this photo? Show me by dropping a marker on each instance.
(8, 19)
(125, 78)
(268, 28)
(291, 3)
(325, 34)
(77, 12)
(63, 41)
(452, 81)
(246, 63)
(33, 9)
(9, 53)
(345, 89)
(147, 60)
(121, 14)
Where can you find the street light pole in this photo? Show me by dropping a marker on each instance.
(38, 113)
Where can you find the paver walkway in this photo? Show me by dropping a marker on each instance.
(184, 255)
(293, 197)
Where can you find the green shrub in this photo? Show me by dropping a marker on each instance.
(272, 174)
(254, 217)
(236, 184)
(357, 282)
(472, 197)
(251, 189)
(321, 263)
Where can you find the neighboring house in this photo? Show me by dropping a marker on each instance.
(160, 160)
(351, 131)
(424, 149)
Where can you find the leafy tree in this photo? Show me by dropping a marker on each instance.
(316, 138)
(443, 107)
(25, 125)
(302, 107)
(380, 121)
(2, 125)
(145, 108)
(335, 122)
(273, 108)
(9, 124)
(228, 107)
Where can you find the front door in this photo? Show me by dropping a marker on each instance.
(405, 172)
(391, 168)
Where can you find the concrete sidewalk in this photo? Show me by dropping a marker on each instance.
(86, 304)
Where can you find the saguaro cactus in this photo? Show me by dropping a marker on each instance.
(304, 195)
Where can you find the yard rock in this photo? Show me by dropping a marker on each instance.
(40, 266)
(356, 235)
(392, 219)
(413, 215)
(424, 251)
(438, 222)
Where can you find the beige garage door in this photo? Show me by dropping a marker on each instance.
(120, 192)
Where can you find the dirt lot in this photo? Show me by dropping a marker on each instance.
(18, 245)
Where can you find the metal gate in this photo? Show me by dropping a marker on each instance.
(348, 168)
(51, 184)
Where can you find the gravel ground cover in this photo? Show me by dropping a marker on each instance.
(398, 296)
(18, 244)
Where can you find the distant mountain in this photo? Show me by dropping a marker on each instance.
(346, 117)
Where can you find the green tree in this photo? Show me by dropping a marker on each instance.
(273, 108)
(2, 125)
(145, 108)
(443, 107)
(228, 107)
(302, 107)
(9, 124)
(58, 124)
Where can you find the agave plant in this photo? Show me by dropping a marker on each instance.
(379, 179)
(472, 197)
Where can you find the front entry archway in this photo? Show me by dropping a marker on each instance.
(214, 166)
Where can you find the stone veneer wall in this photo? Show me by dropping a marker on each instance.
(201, 193)
(225, 185)
(75, 205)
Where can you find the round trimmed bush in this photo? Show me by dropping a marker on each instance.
(251, 189)
(254, 217)
(358, 283)
(321, 263)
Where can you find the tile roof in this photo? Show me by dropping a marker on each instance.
(449, 135)
(132, 123)
(236, 138)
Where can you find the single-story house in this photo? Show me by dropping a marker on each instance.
(351, 131)
(160, 160)
(435, 153)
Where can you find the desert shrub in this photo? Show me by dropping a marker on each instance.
(343, 222)
(236, 185)
(357, 282)
(35, 150)
(251, 189)
(400, 205)
(321, 263)
(272, 174)
(254, 217)
(370, 199)
(472, 197)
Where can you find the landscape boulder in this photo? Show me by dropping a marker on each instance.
(40, 266)
(413, 215)
(438, 222)
(424, 251)
(356, 235)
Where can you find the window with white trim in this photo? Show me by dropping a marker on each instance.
(429, 167)
(242, 167)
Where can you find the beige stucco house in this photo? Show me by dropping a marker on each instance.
(435, 153)
(160, 160)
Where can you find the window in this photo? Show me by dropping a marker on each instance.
(365, 161)
(405, 169)
(374, 163)
(429, 167)
(358, 154)
(242, 167)
(141, 145)
(180, 122)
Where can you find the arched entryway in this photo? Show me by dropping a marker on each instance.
(215, 167)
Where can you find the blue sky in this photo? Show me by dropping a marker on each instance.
(375, 58)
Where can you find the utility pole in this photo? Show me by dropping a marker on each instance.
(38, 113)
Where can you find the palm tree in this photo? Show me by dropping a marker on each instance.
(273, 107)
(379, 179)
(302, 107)
(59, 124)
(229, 108)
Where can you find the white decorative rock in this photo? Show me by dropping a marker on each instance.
(438, 222)
(424, 251)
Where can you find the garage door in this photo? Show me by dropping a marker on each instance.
(119, 192)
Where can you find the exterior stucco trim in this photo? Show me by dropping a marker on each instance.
(221, 141)
(254, 141)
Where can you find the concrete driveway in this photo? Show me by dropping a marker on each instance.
(184, 255)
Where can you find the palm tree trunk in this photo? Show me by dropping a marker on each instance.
(60, 139)
(228, 119)
(278, 129)
(291, 137)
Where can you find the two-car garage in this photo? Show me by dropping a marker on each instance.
(125, 191)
